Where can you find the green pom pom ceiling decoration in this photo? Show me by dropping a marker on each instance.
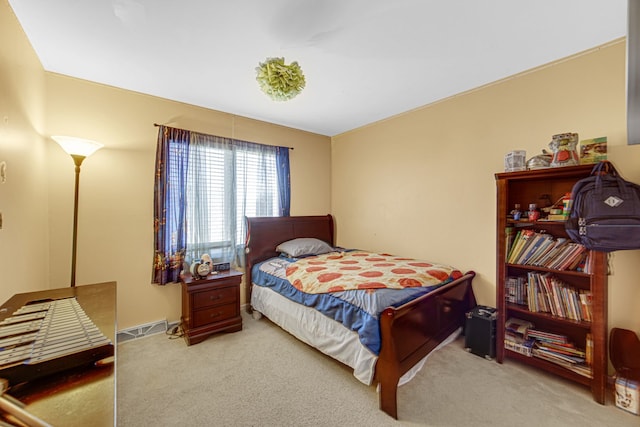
(281, 82)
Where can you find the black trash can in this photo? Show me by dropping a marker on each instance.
(480, 331)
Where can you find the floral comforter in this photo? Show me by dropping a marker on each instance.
(359, 270)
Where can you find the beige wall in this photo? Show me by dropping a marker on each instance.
(24, 262)
(115, 240)
(422, 184)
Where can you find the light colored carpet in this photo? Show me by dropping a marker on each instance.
(262, 376)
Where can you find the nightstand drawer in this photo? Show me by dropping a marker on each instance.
(215, 314)
(214, 297)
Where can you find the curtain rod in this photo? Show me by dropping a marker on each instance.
(156, 125)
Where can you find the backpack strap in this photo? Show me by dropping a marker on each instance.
(604, 167)
(605, 170)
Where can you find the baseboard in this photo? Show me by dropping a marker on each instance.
(141, 331)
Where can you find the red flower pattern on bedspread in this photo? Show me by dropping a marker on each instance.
(335, 272)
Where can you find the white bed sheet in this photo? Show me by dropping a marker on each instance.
(330, 337)
(317, 330)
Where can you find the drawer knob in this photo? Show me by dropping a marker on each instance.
(215, 314)
(215, 297)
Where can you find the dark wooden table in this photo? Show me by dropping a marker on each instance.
(83, 396)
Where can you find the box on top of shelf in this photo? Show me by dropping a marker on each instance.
(593, 150)
(515, 161)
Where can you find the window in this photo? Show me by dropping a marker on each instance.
(225, 184)
(208, 186)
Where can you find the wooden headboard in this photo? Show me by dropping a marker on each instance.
(265, 233)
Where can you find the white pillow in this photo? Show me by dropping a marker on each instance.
(304, 246)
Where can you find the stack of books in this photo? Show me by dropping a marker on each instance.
(557, 349)
(521, 337)
(515, 336)
(548, 294)
(528, 247)
(516, 290)
(545, 293)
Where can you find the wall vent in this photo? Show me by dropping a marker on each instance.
(145, 330)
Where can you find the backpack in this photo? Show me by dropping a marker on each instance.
(605, 215)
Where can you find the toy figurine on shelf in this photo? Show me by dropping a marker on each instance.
(516, 213)
(564, 148)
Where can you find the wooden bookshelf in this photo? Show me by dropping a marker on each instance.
(527, 187)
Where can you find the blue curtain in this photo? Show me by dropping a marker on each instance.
(172, 163)
(284, 181)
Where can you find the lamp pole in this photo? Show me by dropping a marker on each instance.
(77, 159)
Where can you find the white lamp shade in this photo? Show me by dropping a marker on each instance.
(77, 146)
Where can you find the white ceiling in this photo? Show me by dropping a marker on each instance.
(364, 60)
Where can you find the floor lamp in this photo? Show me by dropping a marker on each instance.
(79, 149)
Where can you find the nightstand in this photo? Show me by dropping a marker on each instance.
(210, 305)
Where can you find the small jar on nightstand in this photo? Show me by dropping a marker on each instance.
(210, 305)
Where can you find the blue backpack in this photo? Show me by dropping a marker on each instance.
(605, 215)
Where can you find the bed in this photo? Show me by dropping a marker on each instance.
(408, 332)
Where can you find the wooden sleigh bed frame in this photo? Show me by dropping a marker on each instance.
(408, 332)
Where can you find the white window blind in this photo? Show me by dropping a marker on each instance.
(225, 183)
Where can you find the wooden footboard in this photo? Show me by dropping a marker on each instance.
(413, 330)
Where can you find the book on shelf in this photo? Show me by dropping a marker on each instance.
(528, 247)
(521, 337)
(536, 296)
(586, 265)
(537, 244)
(548, 294)
(512, 245)
(569, 257)
(585, 305)
(524, 347)
(561, 256)
(589, 350)
(515, 290)
(556, 248)
(547, 336)
(557, 349)
(546, 245)
(555, 217)
(515, 336)
(556, 355)
(579, 368)
(566, 349)
(582, 369)
(520, 285)
(510, 233)
(521, 240)
(518, 326)
(578, 263)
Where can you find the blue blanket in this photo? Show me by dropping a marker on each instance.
(358, 310)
